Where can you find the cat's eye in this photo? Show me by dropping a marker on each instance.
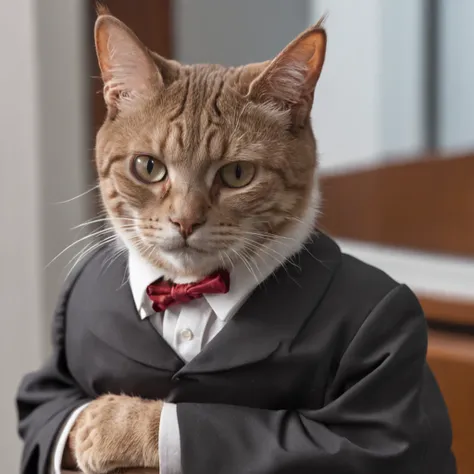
(238, 174)
(149, 169)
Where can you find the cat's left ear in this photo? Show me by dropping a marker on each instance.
(129, 73)
(290, 79)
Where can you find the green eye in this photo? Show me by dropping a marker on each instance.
(238, 174)
(149, 169)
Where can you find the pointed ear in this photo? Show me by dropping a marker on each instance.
(290, 79)
(128, 71)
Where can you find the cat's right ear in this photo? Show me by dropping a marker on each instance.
(129, 73)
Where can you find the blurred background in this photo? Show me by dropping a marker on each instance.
(393, 114)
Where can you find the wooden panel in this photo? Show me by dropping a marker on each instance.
(448, 311)
(426, 204)
(451, 358)
(150, 20)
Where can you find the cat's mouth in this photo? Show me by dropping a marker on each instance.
(186, 249)
(192, 248)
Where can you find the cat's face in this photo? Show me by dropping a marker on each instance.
(204, 166)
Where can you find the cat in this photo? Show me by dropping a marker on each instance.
(200, 167)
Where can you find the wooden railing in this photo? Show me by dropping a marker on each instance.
(427, 204)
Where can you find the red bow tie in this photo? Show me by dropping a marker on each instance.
(165, 294)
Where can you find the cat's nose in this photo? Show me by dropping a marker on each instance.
(186, 226)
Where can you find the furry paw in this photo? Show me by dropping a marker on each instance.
(141, 470)
(116, 432)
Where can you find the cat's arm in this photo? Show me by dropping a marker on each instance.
(384, 413)
(116, 432)
(58, 421)
(47, 398)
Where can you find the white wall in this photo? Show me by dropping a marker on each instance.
(402, 101)
(430, 274)
(456, 70)
(20, 260)
(369, 102)
(369, 106)
(234, 32)
(63, 123)
(43, 160)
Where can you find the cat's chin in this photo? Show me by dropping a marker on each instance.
(190, 264)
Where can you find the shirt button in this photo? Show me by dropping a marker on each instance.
(187, 334)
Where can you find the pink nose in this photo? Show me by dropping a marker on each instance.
(186, 226)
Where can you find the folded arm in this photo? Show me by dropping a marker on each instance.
(63, 427)
(46, 399)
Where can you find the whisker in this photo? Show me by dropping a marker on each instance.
(78, 254)
(78, 196)
(221, 259)
(115, 255)
(245, 261)
(106, 219)
(103, 242)
(251, 260)
(152, 248)
(230, 260)
(268, 235)
(259, 247)
(78, 241)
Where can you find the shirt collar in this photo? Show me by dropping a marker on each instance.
(141, 274)
(243, 280)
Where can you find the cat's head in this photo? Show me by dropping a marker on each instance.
(203, 166)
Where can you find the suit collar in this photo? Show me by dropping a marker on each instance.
(269, 319)
(275, 312)
(113, 319)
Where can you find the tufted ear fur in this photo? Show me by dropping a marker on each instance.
(128, 70)
(290, 79)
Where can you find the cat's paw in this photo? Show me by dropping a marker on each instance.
(114, 432)
(140, 470)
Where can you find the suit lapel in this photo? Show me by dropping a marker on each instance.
(270, 318)
(274, 313)
(113, 319)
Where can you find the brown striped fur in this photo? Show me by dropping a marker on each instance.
(195, 119)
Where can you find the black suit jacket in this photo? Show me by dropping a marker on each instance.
(322, 371)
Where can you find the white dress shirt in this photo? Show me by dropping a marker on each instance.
(187, 328)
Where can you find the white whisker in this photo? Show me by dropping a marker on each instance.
(265, 249)
(115, 255)
(105, 219)
(78, 241)
(226, 255)
(245, 261)
(91, 249)
(78, 196)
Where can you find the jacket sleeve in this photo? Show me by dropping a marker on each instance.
(383, 413)
(45, 399)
